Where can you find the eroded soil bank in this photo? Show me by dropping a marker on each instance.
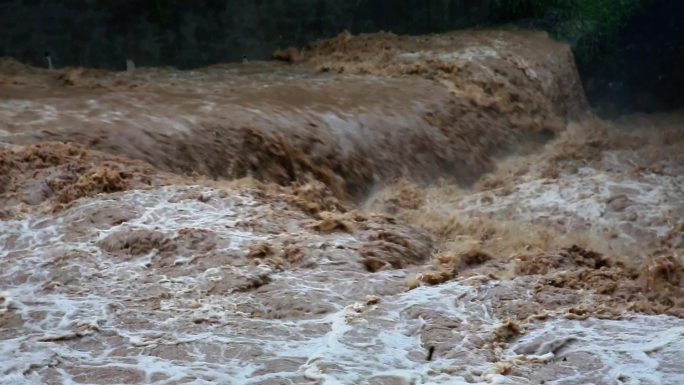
(370, 209)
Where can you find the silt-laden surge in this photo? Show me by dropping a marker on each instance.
(372, 209)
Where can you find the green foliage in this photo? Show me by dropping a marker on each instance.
(590, 26)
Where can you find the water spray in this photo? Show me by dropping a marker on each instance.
(130, 65)
(49, 61)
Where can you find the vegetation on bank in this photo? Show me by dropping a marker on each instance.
(590, 26)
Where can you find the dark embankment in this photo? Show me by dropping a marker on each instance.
(642, 69)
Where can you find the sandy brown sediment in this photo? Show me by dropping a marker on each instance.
(58, 173)
(613, 188)
(586, 228)
(473, 96)
(484, 67)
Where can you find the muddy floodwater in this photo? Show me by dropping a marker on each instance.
(371, 209)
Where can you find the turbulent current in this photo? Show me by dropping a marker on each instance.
(371, 209)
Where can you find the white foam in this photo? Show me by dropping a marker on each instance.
(106, 325)
(637, 350)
